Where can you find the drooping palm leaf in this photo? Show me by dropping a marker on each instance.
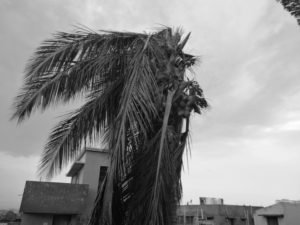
(67, 137)
(126, 78)
(67, 65)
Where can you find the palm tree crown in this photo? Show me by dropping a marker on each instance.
(138, 101)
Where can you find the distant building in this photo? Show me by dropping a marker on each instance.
(49, 203)
(282, 213)
(208, 213)
(211, 201)
(9, 217)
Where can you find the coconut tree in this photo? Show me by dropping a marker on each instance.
(138, 103)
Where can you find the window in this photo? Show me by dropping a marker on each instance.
(244, 221)
(189, 219)
(180, 219)
(230, 221)
(272, 220)
(61, 219)
(102, 174)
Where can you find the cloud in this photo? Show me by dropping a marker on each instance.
(243, 171)
(249, 72)
(15, 170)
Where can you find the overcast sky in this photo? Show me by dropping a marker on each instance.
(245, 148)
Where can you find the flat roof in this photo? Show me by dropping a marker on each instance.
(229, 211)
(270, 214)
(91, 149)
(77, 165)
(53, 198)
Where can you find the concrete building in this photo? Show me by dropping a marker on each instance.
(281, 213)
(49, 203)
(215, 214)
(211, 201)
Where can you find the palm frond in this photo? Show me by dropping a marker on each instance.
(66, 139)
(138, 100)
(293, 7)
(67, 65)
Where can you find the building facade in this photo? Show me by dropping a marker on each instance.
(215, 214)
(49, 203)
(281, 213)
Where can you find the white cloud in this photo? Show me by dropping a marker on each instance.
(14, 171)
(248, 172)
(249, 73)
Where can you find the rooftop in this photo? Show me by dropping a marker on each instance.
(54, 198)
(77, 165)
(230, 211)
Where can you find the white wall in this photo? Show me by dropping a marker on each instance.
(90, 174)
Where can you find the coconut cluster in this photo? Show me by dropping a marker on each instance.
(188, 98)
